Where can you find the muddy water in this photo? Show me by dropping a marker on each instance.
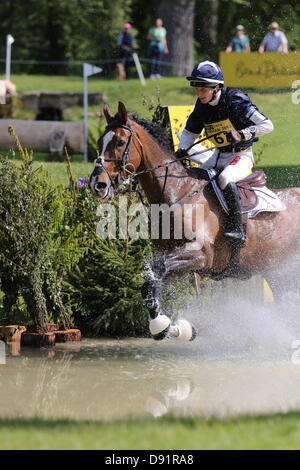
(111, 379)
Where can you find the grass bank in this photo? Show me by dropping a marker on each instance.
(265, 432)
(281, 147)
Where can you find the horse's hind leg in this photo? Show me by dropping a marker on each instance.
(160, 324)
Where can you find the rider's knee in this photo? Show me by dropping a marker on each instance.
(224, 180)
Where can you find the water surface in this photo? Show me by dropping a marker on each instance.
(115, 379)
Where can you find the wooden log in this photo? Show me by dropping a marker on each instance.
(65, 336)
(52, 327)
(35, 135)
(38, 340)
(12, 333)
(14, 348)
(35, 100)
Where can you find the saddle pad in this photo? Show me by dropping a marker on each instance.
(267, 201)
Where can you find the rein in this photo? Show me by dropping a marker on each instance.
(99, 162)
(134, 174)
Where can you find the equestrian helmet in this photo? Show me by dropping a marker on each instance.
(206, 74)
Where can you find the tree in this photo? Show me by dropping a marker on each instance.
(178, 18)
(207, 34)
(62, 30)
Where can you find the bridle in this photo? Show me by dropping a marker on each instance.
(100, 160)
(124, 164)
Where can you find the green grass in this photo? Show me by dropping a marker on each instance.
(266, 432)
(58, 170)
(280, 148)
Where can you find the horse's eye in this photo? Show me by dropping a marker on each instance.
(120, 143)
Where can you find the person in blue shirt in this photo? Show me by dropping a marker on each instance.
(229, 113)
(240, 42)
(274, 41)
(125, 47)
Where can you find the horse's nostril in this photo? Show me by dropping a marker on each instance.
(100, 186)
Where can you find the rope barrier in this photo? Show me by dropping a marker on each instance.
(81, 62)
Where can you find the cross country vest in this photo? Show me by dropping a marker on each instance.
(233, 111)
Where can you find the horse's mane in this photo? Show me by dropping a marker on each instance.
(160, 134)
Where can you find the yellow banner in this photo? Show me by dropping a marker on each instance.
(178, 116)
(253, 70)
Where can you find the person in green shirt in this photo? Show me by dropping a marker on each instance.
(157, 47)
(239, 42)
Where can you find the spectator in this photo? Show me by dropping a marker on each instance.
(274, 40)
(125, 47)
(240, 42)
(158, 46)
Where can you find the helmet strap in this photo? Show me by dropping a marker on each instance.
(213, 95)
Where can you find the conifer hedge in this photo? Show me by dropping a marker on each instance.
(54, 267)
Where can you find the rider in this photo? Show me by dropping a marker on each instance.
(231, 115)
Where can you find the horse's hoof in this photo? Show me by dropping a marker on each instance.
(159, 327)
(186, 331)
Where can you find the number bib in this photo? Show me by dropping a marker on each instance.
(220, 126)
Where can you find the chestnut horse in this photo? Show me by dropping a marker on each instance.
(127, 148)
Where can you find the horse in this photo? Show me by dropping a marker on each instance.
(127, 148)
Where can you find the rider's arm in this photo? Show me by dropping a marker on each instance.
(258, 124)
(187, 138)
(250, 122)
(264, 127)
(193, 127)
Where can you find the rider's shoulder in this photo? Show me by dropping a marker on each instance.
(235, 96)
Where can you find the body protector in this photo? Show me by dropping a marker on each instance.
(233, 111)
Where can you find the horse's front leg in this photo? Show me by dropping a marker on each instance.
(186, 259)
(160, 324)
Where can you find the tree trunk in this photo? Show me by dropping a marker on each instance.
(209, 31)
(178, 18)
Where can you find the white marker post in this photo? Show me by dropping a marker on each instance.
(139, 68)
(9, 41)
(88, 70)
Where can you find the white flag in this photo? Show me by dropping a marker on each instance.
(89, 69)
(10, 39)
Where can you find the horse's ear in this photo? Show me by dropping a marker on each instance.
(122, 112)
(107, 112)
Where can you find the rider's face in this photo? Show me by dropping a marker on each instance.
(204, 94)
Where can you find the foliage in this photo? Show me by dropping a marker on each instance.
(256, 17)
(77, 30)
(40, 238)
(104, 287)
(66, 29)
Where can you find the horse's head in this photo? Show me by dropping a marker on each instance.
(119, 154)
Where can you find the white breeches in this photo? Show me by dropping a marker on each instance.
(234, 166)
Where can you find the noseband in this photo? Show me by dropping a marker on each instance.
(99, 162)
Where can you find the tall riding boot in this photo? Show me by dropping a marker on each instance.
(234, 234)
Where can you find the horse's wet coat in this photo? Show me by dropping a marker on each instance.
(271, 237)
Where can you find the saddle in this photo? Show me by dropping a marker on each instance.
(246, 188)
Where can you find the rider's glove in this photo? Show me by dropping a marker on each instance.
(243, 135)
(181, 153)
